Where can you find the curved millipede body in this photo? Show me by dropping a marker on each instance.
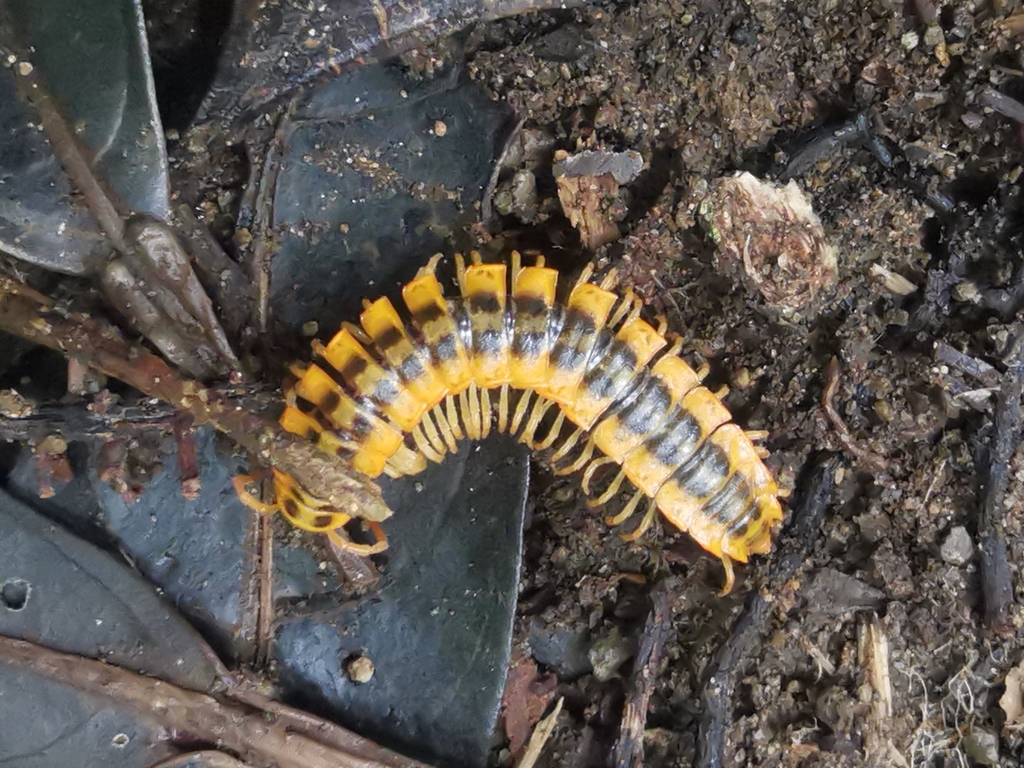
(390, 395)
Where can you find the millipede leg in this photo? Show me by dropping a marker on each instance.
(585, 275)
(432, 435)
(460, 273)
(453, 417)
(581, 460)
(405, 462)
(625, 307)
(589, 474)
(539, 409)
(503, 408)
(567, 446)
(363, 550)
(634, 313)
(754, 435)
(361, 336)
(521, 407)
(646, 523)
(473, 404)
(485, 413)
(240, 481)
(730, 575)
(703, 371)
(556, 428)
(467, 415)
(517, 264)
(610, 280)
(446, 429)
(605, 497)
(424, 446)
(722, 392)
(627, 511)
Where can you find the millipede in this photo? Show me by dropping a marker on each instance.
(388, 396)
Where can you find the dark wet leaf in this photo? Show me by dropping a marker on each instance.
(198, 552)
(93, 56)
(37, 221)
(44, 723)
(273, 49)
(366, 191)
(194, 550)
(438, 630)
(58, 590)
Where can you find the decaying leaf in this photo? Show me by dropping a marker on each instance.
(527, 695)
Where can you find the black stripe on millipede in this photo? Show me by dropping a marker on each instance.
(428, 314)
(389, 338)
(330, 401)
(353, 368)
(530, 306)
(485, 302)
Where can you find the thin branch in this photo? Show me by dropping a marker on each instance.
(99, 345)
(629, 748)
(102, 202)
(252, 735)
(873, 460)
(996, 578)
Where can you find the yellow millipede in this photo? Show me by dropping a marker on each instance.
(389, 395)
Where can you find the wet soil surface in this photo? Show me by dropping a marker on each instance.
(923, 212)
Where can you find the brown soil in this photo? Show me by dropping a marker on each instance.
(704, 90)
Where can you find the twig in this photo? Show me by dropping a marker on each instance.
(629, 748)
(252, 735)
(795, 546)
(208, 758)
(105, 206)
(978, 369)
(540, 737)
(1003, 104)
(996, 579)
(265, 614)
(99, 345)
(872, 459)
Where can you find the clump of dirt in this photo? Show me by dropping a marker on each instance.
(919, 200)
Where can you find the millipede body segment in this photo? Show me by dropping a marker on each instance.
(390, 396)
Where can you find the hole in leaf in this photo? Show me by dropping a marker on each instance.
(14, 594)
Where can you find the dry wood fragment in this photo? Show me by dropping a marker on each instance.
(540, 737)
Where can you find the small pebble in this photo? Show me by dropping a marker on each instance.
(24, 69)
(310, 328)
(982, 745)
(741, 378)
(608, 654)
(440, 129)
(957, 549)
(360, 670)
